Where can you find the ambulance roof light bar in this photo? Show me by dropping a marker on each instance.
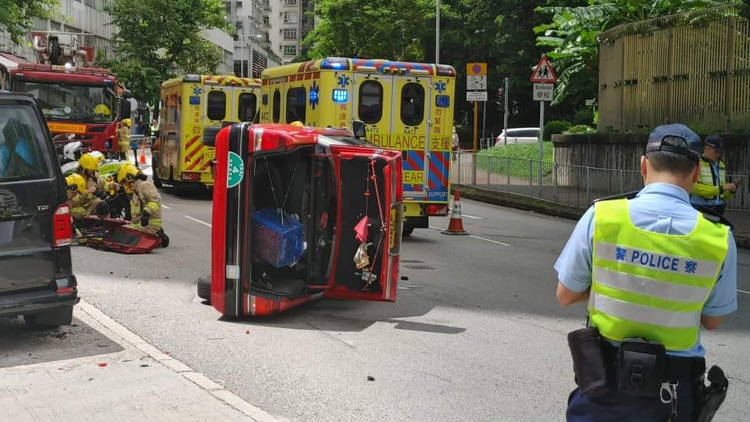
(335, 64)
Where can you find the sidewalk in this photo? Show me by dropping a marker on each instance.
(139, 383)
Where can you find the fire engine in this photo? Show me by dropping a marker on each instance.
(80, 102)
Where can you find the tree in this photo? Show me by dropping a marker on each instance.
(157, 40)
(17, 15)
(574, 30)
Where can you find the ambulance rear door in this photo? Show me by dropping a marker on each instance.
(246, 102)
(218, 107)
(410, 117)
(371, 102)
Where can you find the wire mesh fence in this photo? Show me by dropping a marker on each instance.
(575, 186)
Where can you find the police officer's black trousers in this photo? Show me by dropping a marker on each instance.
(621, 407)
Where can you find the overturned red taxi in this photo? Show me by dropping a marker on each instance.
(301, 214)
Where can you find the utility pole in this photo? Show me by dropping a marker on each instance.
(506, 114)
(437, 32)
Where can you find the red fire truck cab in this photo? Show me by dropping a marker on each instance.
(301, 214)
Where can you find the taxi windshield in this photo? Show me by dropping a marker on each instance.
(77, 103)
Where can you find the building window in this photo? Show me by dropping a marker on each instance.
(228, 6)
(370, 102)
(296, 103)
(241, 68)
(412, 104)
(290, 2)
(290, 17)
(290, 50)
(248, 106)
(290, 34)
(266, 20)
(217, 105)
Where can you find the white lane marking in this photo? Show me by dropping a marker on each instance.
(489, 240)
(477, 237)
(743, 291)
(166, 207)
(472, 217)
(197, 221)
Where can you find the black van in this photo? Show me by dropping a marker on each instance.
(36, 275)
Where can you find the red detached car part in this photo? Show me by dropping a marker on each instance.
(324, 180)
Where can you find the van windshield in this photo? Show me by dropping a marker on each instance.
(23, 149)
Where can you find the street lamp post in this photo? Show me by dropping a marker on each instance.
(437, 31)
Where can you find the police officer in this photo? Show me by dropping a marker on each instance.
(711, 189)
(653, 268)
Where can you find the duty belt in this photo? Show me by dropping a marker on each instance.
(676, 366)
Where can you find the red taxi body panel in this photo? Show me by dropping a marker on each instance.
(340, 175)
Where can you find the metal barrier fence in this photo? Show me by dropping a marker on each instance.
(575, 186)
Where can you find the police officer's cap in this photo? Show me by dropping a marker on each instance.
(716, 142)
(676, 139)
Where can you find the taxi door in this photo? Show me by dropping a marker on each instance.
(371, 102)
(410, 117)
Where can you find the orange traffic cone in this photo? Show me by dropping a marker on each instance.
(456, 225)
(142, 158)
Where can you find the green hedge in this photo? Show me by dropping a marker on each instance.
(519, 164)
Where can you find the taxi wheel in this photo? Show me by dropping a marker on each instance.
(408, 231)
(204, 288)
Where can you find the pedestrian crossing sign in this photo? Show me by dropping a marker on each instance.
(544, 72)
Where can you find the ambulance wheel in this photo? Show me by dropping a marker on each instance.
(408, 231)
(204, 288)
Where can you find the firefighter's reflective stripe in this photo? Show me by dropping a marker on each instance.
(153, 207)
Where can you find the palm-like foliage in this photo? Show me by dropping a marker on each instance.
(574, 31)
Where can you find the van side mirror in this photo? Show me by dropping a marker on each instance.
(358, 127)
(209, 135)
(125, 109)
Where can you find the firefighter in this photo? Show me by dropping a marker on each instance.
(76, 195)
(145, 204)
(123, 139)
(94, 192)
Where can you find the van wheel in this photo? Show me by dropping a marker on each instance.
(408, 231)
(50, 319)
(204, 288)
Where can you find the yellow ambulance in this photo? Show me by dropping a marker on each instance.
(189, 104)
(405, 106)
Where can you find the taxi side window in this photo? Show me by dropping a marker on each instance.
(412, 104)
(248, 105)
(296, 103)
(217, 105)
(370, 102)
(276, 106)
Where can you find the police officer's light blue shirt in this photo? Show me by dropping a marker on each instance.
(661, 208)
(696, 199)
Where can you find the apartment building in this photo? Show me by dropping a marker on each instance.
(88, 19)
(252, 45)
(291, 21)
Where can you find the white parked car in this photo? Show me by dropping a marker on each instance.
(521, 135)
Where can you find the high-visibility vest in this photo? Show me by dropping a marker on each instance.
(652, 285)
(707, 175)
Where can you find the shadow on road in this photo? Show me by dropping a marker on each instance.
(22, 345)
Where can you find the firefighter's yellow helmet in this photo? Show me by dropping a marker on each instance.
(126, 122)
(127, 173)
(76, 183)
(297, 123)
(89, 162)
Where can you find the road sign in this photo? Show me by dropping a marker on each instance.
(590, 103)
(476, 96)
(476, 82)
(235, 170)
(544, 72)
(476, 68)
(543, 92)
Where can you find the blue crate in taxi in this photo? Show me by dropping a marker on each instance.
(277, 241)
